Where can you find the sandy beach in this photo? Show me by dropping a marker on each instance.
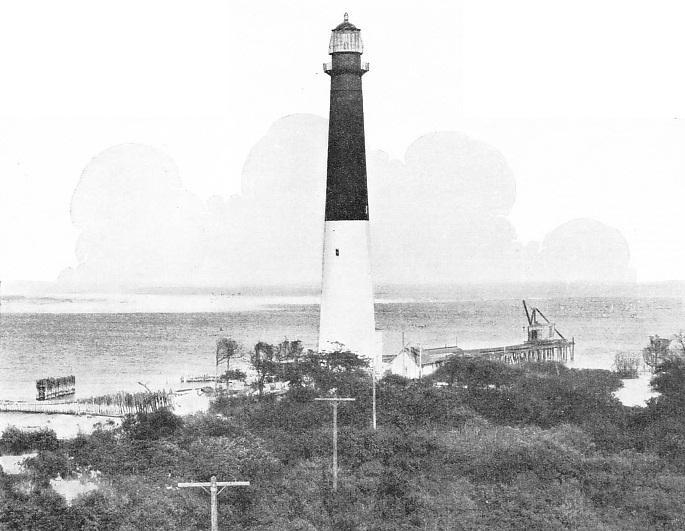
(65, 426)
(69, 426)
(636, 392)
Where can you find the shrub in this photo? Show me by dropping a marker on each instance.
(15, 441)
(626, 366)
(477, 372)
(151, 426)
(201, 425)
(48, 465)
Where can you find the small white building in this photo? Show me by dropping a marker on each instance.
(406, 363)
(415, 362)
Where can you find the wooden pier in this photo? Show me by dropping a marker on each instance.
(544, 343)
(203, 378)
(546, 350)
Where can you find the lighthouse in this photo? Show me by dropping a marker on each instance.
(347, 319)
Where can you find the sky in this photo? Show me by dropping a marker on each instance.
(572, 112)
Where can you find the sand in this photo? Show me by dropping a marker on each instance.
(65, 426)
(69, 426)
(636, 392)
(70, 489)
(14, 464)
(190, 403)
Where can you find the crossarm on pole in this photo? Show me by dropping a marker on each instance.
(218, 484)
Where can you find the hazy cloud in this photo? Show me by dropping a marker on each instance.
(138, 224)
(440, 215)
(585, 250)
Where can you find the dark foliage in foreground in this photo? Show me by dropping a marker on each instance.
(15, 441)
(529, 447)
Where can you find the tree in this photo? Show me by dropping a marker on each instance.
(233, 374)
(342, 361)
(264, 361)
(679, 340)
(290, 350)
(313, 373)
(626, 365)
(670, 377)
(226, 348)
(656, 352)
(476, 373)
(669, 371)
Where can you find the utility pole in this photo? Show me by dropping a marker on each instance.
(334, 402)
(420, 361)
(214, 492)
(373, 376)
(404, 363)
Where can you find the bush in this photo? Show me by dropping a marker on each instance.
(201, 425)
(543, 394)
(477, 372)
(668, 380)
(15, 441)
(152, 426)
(102, 450)
(96, 511)
(410, 405)
(48, 465)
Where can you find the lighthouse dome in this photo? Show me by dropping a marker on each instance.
(346, 25)
(346, 37)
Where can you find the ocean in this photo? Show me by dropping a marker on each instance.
(120, 342)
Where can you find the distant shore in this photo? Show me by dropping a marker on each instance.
(54, 297)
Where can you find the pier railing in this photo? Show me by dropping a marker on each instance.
(550, 350)
(561, 350)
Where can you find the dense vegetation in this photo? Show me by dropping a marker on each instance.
(500, 447)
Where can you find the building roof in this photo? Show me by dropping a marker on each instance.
(428, 356)
(434, 355)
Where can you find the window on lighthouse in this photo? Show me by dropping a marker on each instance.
(337, 252)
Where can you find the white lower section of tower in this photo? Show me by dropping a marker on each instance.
(347, 311)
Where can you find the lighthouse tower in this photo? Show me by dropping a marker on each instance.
(347, 312)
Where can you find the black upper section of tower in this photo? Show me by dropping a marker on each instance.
(346, 186)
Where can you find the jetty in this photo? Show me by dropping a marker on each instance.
(543, 343)
(49, 388)
(202, 378)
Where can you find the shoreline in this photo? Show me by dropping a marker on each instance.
(634, 393)
(68, 426)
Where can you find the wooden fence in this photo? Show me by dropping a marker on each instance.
(116, 405)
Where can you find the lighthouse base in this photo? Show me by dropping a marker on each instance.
(347, 313)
